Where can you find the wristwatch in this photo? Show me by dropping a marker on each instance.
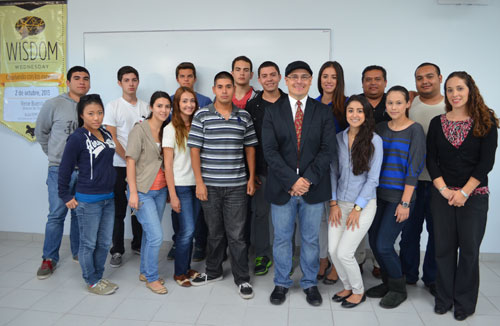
(405, 204)
(358, 208)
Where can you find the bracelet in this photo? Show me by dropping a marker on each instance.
(441, 189)
(464, 193)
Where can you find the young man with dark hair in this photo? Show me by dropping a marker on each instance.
(269, 78)
(374, 79)
(57, 119)
(220, 135)
(424, 107)
(242, 71)
(121, 115)
(185, 74)
(298, 136)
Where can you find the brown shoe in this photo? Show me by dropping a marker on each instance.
(182, 280)
(376, 272)
(192, 274)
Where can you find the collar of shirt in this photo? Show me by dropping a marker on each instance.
(293, 104)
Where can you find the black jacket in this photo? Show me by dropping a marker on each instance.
(257, 107)
(317, 149)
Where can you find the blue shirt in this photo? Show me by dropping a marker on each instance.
(346, 186)
(203, 100)
(338, 128)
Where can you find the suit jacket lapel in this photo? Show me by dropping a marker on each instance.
(308, 116)
(286, 113)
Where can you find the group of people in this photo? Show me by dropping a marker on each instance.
(338, 169)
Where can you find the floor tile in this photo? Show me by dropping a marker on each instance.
(96, 305)
(300, 317)
(484, 320)
(123, 322)
(219, 314)
(21, 298)
(137, 309)
(178, 312)
(38, 318)
(78, 320)
(266, 316)
(7, 314)
(354, 317)
(433, 319)
(398, 319)
(58, 301)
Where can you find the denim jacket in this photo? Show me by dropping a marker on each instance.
(346, 186)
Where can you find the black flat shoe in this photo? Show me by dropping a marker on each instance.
(338, 298)
(329, 281)
(440, 310)
(347, 304)
(313, 296)
(278, 296)
(460, 315)
(321, 276)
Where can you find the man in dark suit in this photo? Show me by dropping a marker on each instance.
(298, 136)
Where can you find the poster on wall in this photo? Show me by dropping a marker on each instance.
(33, 60)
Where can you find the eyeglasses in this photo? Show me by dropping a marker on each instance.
(301, 77)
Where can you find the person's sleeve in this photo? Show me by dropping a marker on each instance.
(486, 154)
(109, 115)
(67, 166)
(335, 172)
(328, 149)
(250, 138)
(286, 175)
(373, 174)
(416, 162)
(134, 144)
(196, 137)
(432, 149)
(168, 136)
(44, 126)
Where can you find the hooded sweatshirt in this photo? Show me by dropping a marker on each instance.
(94, 158)
(55, 122)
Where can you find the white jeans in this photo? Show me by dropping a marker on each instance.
(342, 244)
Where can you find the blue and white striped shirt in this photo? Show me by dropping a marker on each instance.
(221, 143)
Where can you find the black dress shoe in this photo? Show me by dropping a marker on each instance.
(441, 310)
(347, 304)
(432, 288)
(338, 298)
(278, 296)
(313, 296)
(460, 315)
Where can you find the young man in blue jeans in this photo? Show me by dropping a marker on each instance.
(55, 122)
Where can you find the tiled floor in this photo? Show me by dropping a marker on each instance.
(63, 300)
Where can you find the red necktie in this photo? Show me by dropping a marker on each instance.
(299, 117)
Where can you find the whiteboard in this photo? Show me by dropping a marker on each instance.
(155, 54)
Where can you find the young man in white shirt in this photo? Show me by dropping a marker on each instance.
(121, 115)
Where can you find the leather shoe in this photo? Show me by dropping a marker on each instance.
(347, 304)
(460, 315)
(338, 298)
(313, 296)
(440, 310)
(278, 296)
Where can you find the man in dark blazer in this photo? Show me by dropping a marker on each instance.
(298, 139)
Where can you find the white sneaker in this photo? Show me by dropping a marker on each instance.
(245, 290)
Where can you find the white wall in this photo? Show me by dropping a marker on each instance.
(397, 34)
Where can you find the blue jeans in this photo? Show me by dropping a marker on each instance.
(284, 224)
(55, 220)
(95, 221)
(382, 236)
(149, 215)
(190, 209)
(410, 238)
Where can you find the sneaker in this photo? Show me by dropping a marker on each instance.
(75, 259)
(199, 254)
(203, 279)
(116, 260)
(46, 269)
(262, 265)
(171, 253)
(114, 285)
(101, 288)
(245, 290)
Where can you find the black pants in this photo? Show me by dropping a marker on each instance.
(225, 215)
(121, 203)
(458, 232)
